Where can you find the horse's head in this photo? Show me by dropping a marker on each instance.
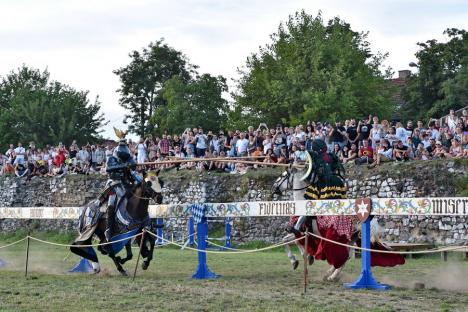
(153, 186)
(286, 180)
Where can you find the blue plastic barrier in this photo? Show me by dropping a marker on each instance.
(366, 280)
(82, 267)
(203, 272)
(159, 231)
(191, 232)
(227, 232)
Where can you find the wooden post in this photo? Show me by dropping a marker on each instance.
(139, 253)
(27, 258)
(306, 270)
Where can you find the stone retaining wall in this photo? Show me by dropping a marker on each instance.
(415, 179)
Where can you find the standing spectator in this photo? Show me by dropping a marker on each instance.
(351, 132)
(164, 146)
(20, 153)
(83, 157)
(337, 135)
(364, 128)
(10, 154)
(400, 133)
(242, 145)
(215, 145)
(142, 155)
(201, 144)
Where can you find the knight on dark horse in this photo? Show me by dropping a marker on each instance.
(120, 212)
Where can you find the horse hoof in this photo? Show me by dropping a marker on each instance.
(145, 266)
(295, 264)
(123, 273)
(96, 267)
(310, 259)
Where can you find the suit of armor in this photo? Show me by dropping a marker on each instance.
(122, 177)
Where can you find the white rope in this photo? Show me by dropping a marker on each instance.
(82, 246)
(220, 246)
(14, 243)
(428, 251)
(229, 252)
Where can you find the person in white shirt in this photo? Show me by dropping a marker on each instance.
(242, 145)
(141, 150)
(83, 156)
(401, 133)
(20, 152)
(10, 154)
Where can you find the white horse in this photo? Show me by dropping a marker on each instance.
(293, 179)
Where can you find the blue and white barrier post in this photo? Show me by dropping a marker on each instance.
(203, 272)
(366, 280)
(191, 232)
(159, 230)
(227, 232)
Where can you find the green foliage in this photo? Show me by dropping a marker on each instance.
(34, 108)
(311, 71)
(442, 81)
(143, 80)
(193, 103)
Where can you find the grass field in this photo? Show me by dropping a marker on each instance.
(251, 282)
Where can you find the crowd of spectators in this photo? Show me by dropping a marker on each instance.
(368, 141)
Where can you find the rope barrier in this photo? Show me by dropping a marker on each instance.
(14, 243)
(220, 246)
(428, 251)
(228, 252)
(82, 246)
(239, 251)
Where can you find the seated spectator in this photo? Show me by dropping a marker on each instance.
(351, 155)
(21, 170)
(284, 155)
(456, 150)
(421, 153)
(270, 157)
(439, 151)
(337, 151)
(400, 152)
(384, 153)
(431, 147)
(365, 154)
(300, 155)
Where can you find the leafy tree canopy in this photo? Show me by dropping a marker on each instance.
(441, 83)
(198, 102)
(311, 71)
(143, 80)
(33, 108)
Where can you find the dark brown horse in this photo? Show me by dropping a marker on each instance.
(131, 218)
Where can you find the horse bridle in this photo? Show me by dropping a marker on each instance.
(288, 185)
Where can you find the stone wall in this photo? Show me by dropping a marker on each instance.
(415, 179)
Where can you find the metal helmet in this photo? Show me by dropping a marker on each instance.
(122, 152)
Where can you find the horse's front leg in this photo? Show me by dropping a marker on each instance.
(292, 258)
(149, 252)
(128, 249)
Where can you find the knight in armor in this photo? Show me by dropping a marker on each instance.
(121, 168)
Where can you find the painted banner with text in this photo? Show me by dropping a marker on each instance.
(379, 206)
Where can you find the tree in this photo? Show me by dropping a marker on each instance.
(34, 108)
(143, 80)
(441, 83)
(197, 102)
(311, 71)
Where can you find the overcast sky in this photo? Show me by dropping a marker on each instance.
(82, 42)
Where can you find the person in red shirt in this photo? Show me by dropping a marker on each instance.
(366, 153)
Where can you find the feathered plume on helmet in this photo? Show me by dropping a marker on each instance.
(121, 135)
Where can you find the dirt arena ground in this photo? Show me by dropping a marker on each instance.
(261, 281)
